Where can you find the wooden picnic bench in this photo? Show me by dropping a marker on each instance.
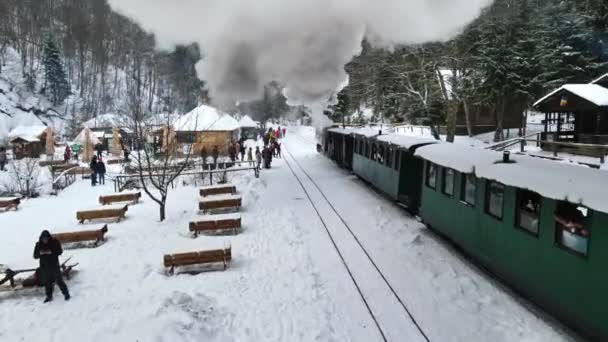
(34, 279)
(217, 256)
(217, 190)
(102, 213)
(8, 203)
(219, 202)
(132, 197)
(96, 236)
(216, 224)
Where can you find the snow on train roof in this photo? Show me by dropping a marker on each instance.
(458, 157)
(559, 181)
(405, 140)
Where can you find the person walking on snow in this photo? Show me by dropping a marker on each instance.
(101, 171)
(3, 158)
(99, 148)
(93, 166)
(284, 132)
(278, 149)
(250, 154)
(258, 157)
(48, 249)
(67, 154)
(215, 153)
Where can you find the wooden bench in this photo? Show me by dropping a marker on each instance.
(132, 197)
(216, 224)
(220, 189)
(102, 213)
(219, 202)
(96, 236)
(8, 203)
(217, 256)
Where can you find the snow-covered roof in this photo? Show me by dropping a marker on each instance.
(559, 181)
(27, 133)
(106, 120)
(206, 118)
(458, 157)
(593, 93)
(368, 131)
(247, 122)
(600, 79)
(405, 140)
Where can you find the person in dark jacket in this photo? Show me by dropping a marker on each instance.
(48, 249)
(101, 171)
(99, 148)
(93, 166)
(215, 153)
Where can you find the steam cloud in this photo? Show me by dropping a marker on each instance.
(303, 44)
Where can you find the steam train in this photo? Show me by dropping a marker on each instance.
(538, 225)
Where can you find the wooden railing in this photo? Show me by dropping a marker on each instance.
(65, 179)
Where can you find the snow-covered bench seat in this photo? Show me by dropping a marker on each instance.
(132, 197)
(216, 256)
(96, 236)
(8, 203)
(219, 189)
(219, 202)
(216, 224)
(117, 212)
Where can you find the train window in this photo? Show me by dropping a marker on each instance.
(366, 153)
(431, 175)
(495, 196)
(397, 155)
(528, 211)
(448, 182)
(388, 158)
(380, 154)
(570, 227)
(374, 151)
(468, 188)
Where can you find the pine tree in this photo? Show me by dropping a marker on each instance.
(56, 84)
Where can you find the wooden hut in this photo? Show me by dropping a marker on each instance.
(576, 113)
(29, 141)
(249, 129)
(207, 127)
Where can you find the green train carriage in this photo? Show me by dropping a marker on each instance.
(387, 162)
(540, 226)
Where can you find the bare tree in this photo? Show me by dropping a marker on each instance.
(24, 177)
(157, 171)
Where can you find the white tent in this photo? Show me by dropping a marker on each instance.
(247, 122)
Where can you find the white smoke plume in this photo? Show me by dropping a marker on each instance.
(302, 44)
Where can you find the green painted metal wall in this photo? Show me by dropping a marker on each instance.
(571, 287)
(384, 178)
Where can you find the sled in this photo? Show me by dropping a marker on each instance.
(32, 280)
(103, 213)
(132, 197)
(219, 202)
(210, 257)
(8, 203)
(96, 236)
(220, 189)
(217, 224)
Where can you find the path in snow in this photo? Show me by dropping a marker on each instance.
(451, 299)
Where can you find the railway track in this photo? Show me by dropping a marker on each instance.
(382, 302)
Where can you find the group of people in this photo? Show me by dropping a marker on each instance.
(98, 171)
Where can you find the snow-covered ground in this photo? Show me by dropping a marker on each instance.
(287, 281)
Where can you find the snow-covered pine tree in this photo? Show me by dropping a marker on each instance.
(567, 42)
(56, 84)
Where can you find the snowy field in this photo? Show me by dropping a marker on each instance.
(287, 281)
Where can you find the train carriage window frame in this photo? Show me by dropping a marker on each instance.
(528, 211)
(489, 202)
(465, 186)
(397, 158)
(431, 170)
(445, 189)
(374, 151)
(388, 158)
(570, 235)
(380, 153)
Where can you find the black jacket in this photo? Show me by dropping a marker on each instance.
(48, 253)
(101, 167)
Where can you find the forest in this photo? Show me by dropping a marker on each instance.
(515, 52)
